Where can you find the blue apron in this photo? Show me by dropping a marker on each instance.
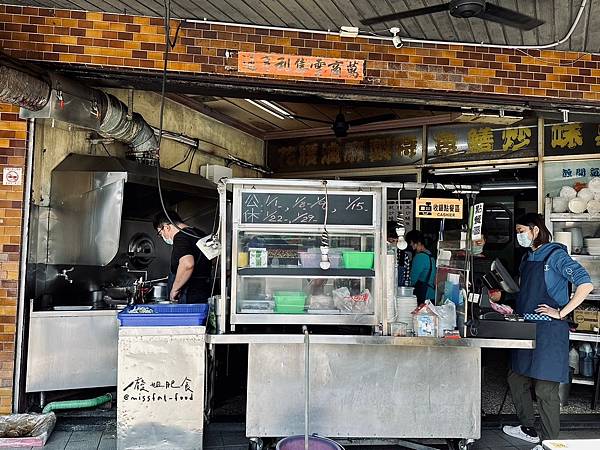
(550, 359)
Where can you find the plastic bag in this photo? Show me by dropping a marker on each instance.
(345, 302)
(26, 428)
(447, 313)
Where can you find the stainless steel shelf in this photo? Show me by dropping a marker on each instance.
(580, 336)
(583, 380)
(567, 217)
(303, 272)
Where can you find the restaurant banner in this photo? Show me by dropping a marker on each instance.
(565, 139)
(301, 66)
(439, 208)
(400, 148)
(480, 142)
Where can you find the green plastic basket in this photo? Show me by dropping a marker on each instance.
(285, 298)
(358, 260)
(289, 309)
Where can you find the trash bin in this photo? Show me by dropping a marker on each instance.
(160, 387)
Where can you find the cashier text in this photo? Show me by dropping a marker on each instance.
(158, 391)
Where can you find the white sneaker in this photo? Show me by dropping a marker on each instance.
(517, 432)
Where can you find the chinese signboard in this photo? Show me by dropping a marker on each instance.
(566, 173)
(477, 222)
(571, 139)
(479, 142)
(440, 208)
(392, 149)
(301, 66)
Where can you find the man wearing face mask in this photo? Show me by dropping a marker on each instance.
(189, 274)
(546, 270)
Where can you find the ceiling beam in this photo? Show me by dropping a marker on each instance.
(413, 122)
(223, 118)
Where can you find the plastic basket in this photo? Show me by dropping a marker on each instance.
(358, 260)
(285, 298)
(313, 260)
(166, 316)
(289, 309)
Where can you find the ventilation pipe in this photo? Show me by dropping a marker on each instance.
(67, 100)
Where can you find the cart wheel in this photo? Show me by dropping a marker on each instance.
(255, 444)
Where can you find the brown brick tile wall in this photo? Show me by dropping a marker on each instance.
(96, 38)
(13, 138)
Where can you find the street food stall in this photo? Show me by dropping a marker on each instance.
(310, 252)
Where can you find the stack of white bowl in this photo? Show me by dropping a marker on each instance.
(406, 303)
(593, 246)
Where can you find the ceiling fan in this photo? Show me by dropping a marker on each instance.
(464, 9)
(341, 126)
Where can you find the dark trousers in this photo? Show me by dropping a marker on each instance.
(548, 402)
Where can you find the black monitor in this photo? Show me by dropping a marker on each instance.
(499, 278)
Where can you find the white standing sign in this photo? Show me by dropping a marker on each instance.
(12, 176)
(477, 222)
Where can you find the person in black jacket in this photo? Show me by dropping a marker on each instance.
(189, 274)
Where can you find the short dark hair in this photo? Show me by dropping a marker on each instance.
(536, 220)
(162, 219)
(415, 236)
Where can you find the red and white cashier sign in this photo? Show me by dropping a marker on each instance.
(12, 176)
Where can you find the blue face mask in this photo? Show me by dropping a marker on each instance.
(524, 239)
(477, 249)
(168, 241)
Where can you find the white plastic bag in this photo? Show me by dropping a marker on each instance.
(447, 313)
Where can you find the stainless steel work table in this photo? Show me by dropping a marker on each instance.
(365, 387)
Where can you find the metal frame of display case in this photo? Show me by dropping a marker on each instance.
(286, 187)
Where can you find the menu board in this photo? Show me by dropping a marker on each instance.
(307, 209)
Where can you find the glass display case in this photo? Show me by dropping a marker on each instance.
(276, 274)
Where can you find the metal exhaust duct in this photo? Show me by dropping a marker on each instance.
(69, 101)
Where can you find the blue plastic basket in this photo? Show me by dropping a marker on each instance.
(166, 316)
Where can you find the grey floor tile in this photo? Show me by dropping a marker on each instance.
(212, 439)
(108, 442)
(58, 440)
(84, 440)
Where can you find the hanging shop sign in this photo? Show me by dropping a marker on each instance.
(564, 139)
(476, 233)
(439, 208)
(457, 143)
(301, 66)
(400, 148)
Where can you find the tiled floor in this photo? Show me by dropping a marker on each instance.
(231, 436)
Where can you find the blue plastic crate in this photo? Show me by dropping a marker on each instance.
(166, 316)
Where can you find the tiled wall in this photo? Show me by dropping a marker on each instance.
(13, 138)
(137, 42)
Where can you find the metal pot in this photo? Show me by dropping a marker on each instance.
(159, 292)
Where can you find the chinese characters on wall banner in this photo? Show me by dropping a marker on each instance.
(477, 142)
(392, 149)
(562, 139)
(301, 66)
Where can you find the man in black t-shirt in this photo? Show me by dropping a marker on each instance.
(189, 272)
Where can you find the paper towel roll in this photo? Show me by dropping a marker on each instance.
(565, 238)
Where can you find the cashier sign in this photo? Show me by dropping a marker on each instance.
(439, 208)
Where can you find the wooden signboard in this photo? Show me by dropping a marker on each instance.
(301, 66)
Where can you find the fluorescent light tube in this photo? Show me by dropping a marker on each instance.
(504, 187)
(265, 109)
(276, 108)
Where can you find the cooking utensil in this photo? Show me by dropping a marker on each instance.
(577, 205)
(565, 238)
(159, 292)
(576, 239)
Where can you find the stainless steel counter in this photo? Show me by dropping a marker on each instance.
(367, 340)
(72, 349)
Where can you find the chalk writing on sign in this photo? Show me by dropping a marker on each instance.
(141, 390)
(308, 209)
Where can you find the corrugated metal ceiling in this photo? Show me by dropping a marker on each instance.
(332, 14)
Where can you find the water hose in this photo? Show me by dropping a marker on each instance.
(77, 404)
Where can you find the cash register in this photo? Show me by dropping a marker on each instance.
(484, 321)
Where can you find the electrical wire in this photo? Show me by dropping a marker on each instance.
(167, 18)
(105, 149)
(187, 155)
